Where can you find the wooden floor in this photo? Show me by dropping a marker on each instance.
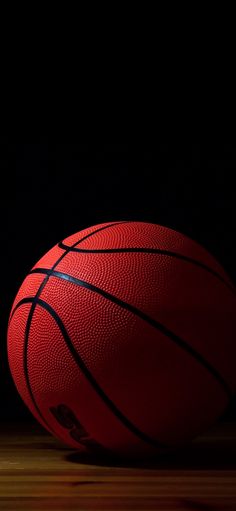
(39, 473)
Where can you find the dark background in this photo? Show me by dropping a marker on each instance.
(52, 189)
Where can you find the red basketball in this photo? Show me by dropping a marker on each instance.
(122, 338)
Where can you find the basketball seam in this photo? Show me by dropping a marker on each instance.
(27, 329)
(148, 251)
(78, 360)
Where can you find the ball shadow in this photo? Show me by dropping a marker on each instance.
(194, 456)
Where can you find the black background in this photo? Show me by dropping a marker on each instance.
(51, 189)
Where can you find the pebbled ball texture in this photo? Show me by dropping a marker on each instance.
(122, 339)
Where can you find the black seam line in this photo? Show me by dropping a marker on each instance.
(25, 364)
(30, 317)
(98, 230)
(147, 251)
(159, 326)
(73, 246)
(85, 238)
(119, 415)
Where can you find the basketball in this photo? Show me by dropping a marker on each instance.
(121, 339)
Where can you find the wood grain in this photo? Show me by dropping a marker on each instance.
(39, 473)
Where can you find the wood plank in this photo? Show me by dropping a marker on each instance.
(39, 473)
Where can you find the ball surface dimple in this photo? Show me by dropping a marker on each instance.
(122, 339)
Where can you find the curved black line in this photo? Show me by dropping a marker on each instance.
(31, 313)
(25, 364)
(148, 251)
(125, 421)
(100, 229)
(159, 326)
